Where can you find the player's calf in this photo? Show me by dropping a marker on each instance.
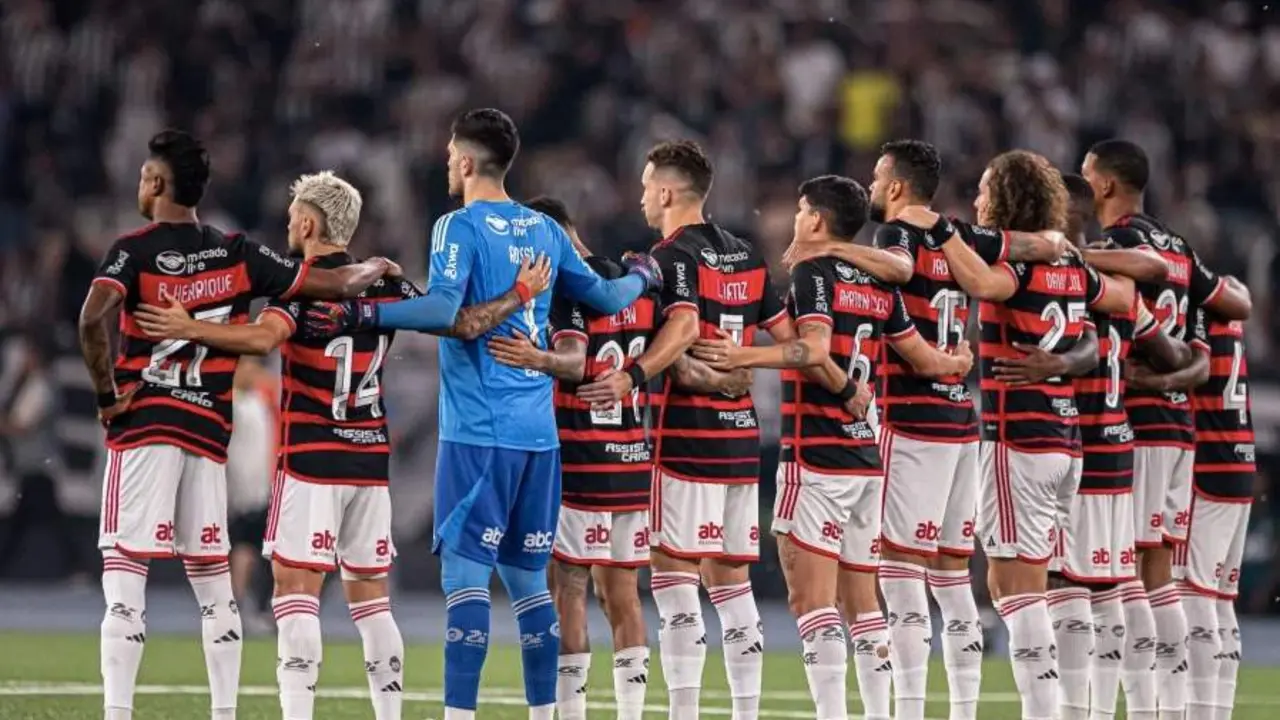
(1204, 653)
(902, 580)
(682, 634)
(868, 633)
(1108, 651)
(466, 590)
(296, 604)
(124, 630)
(1138, 667)
(728, 584)
(221, 630)
(1071, 613)
(1229, 665)
(811, 592)
(539, 645)
(618, 593)
(370, 606)
(951, 585)
(569, 592)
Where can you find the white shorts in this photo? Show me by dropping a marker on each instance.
(159, 501)
(585, 537)
(930, 495)
(1096, 543)
(1024, 498)
(1161, 493)
(1215, 546)
(705, 520)
(833, 515)
(319, 527)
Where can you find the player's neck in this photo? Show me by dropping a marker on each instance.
(318, 249)
(891, 213)
(678, 218)
(485, 191)
(1114, 210)
(174, 214)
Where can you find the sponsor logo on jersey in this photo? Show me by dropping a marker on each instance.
(538, 542)
(497, 224)
(117, 267)
(171, 262)
(491, 538)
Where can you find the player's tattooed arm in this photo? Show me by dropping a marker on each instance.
(102, 302)
(890, 266)
(172, 322)
(677, 334)
(1141, 265)
(476, 320)
(1043, 247)
(1037, 364)
(347, 281)
(696, 376)
(567, 360)
(928, 361)
(809, 349)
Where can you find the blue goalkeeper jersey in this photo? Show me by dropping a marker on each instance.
(476, 253)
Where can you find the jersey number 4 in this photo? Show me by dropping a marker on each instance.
(368, 392)
(166, 370)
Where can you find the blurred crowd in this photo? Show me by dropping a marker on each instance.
(777, 90)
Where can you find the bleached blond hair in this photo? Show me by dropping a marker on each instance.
(337, 200)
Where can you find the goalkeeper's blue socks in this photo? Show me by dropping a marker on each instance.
(539, 636)
(466, 587)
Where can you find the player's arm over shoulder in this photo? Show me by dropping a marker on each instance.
(273, 275)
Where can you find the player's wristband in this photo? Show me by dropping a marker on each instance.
(637, 375)
(941, 231)
(848, 392)
(106, 399)
(522, 291)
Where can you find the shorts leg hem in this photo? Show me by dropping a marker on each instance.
(357, 570)
(813, 549)
(955, 552)
(918, 552)
(299, 565)
(859, 567)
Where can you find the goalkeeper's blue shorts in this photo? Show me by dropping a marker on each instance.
(497, 506)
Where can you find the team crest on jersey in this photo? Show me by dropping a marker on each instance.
(847, 273)
(171, 262)
(710, 257)
(1160, 239)
(497, 224)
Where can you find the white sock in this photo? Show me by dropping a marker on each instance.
(1229, 665)
(869, 635)
(743, 646)
(1171, 649)
(1204, 654)
(1031, 646)
(542, 712)
(826, 661)
(682, 640)
(458, 714)
(1138, 668)
(1108, 654)
(299, 654)
(630, 680)
(383, 656)
(1072, 618)
(910, 631)
(962, 644)
(571, 686)
(124, 631)
(220, 630)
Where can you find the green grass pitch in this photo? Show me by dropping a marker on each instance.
(48, 676)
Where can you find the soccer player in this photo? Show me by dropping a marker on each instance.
(929, 441)
(330, 509)
(1030, 448)
(704, 512)
(827, 513)
(1094, 549)
(166, 406)
(498, 468)
(1222, 495)
(1162, 423)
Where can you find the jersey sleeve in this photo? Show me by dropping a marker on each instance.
(679, 278)
(1094, 286)
(772, 310)
(899, 323)
(270, 274)
(405, 290)
(1200, 330)
(991, 244)
(1205, 284)
(895, 238)
(290, 311)
(1128, 238)
(453, 252)
(577, 280)
(1145, 324)
(567, 319)
(119, 268)
(813, 292)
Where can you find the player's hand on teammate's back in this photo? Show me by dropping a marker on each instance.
(964, 358)
(516, 351)
(645, 266)
(535, 275)
(330, 319)
(1140, 376)
(1036, 365)
(393, 271)
(797, 253)
(171, 321)
(609, 387)
(858, 405)
(121, 406)
(720, 352)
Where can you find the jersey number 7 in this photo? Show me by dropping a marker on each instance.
(166, 371)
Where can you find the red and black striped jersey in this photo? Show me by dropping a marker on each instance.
(817, 433)
(1224, 461)
(606, 460)
(333, 426)
(1049, 309)
(933, 409)
(1165, 418)
(1105, 434)
(185, 393)
(713, 438)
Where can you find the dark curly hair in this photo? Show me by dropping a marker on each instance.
(1025, 192)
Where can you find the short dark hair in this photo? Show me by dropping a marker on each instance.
(1078, 188)
(1123, 160)
(918, 163)
(495, 132)
(188, 162)
(687, 158)
(552, 208)
(840, 200)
